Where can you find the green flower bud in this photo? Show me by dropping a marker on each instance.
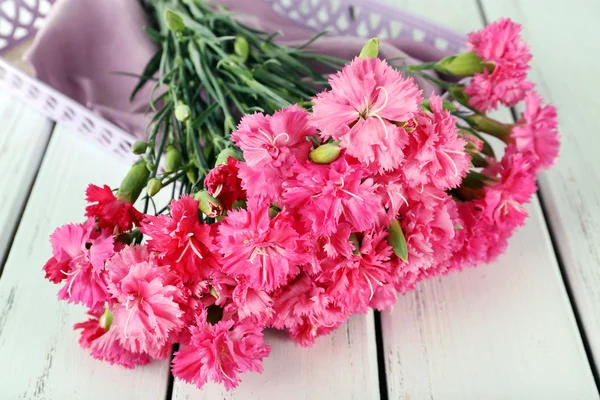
(241, 47)
(172, 159)
(355, 242)
(225, 154)
(139, 147)
(463, 64)
(458, 93)
(182, 112)
(174, 21)
(446, 105)
(397, 240)
(371, 49)
(149, 166)
(106, 319)
(134, 182)
(325, 153)
(273, 211)
(192, 175)
(153, 187)
(209, 206)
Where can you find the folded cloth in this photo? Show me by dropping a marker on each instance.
(85, 45)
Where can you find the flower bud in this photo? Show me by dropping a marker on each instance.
(134, 182)
(174, 21)
(397, 240)
(463, 64)
(446, 105)
(106, 319)
(139, 147)
(182, 112)
(225, 154)
(325, 153)
(355, 242)
(153, 187)
(192, 175)
(172, 159)
(209, 206)
(371, 49)
(273, 211)
(241, 47)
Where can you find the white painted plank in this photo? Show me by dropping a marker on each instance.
(501, 331)
(23, 137)
(565, 41)
(342, 365)
(39, 354)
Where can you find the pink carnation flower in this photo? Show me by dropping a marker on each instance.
(499, 44)
(266, 251)
(112, 214)
(79, 252)
(325, 195)
(435, 154)
(536, 134)
(352, 281)
(306, 311)
(364, 108)
(222, 182)
(181, 240)
(220, 352)
(148, 310)
(504, 202)
(104, 343)
(271, 145)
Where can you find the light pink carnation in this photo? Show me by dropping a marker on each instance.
(499, 44)
(182, 241)
(104, 343)
(79, 252)
(536, 134)
(147, 310)
(220, 352)
(266, 251)
(435, 154)
(271, 145)
(364, 108)
(325, 195)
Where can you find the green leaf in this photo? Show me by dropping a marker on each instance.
(397, 240)
(154, 35)
(149, 71)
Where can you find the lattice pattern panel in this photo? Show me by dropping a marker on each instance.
(20, 20)
(367, 18)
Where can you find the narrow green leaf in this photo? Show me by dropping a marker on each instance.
(397, 240)
(149, 71)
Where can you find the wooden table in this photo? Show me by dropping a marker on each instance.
(526, 327)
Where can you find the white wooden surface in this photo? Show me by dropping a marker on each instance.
(342, 365)
(505, 331)
(23, 137)
(494, 332)
(565, 39)
(39, 354)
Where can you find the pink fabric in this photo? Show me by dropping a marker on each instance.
(85, 42)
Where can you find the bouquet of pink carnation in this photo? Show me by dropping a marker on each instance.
(308, 215)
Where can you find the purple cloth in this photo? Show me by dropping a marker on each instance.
(84, 43)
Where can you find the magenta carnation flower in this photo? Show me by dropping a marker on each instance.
(325, 195)
(220, 352)
(181, 241)
(435, 154)
(265, 250)
(271, 146)
(367, 104)
(499, 44)
(147, 311)
(223, 183)
(79, 252)
(112, 214)
(536, 134)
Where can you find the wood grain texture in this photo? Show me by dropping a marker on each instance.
(503, 331)
(342, 365)
(39, 354)
(24, 135)
(564, 39)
